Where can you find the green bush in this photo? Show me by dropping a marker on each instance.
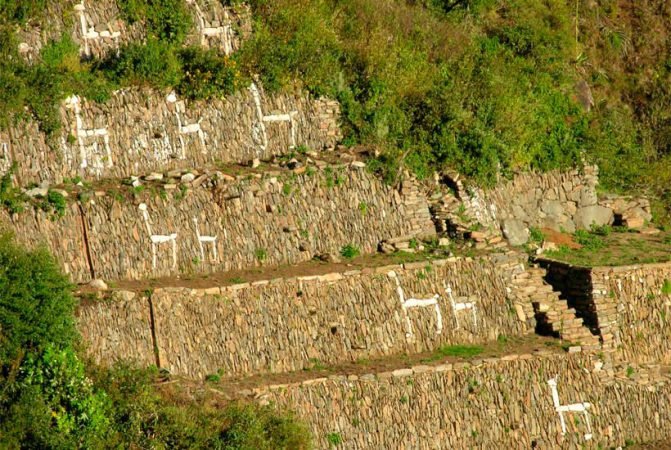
(350, 251)
(36, 306)
(589, 241)
(205, 74)
(167, 20)
(154, 63)
(70, 412)
(262, 428)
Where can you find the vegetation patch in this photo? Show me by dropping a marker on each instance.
(50, 398)
(616, 247)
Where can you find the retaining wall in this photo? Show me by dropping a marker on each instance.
(143, 133)
(282, 218)
(122, 321)
(98, 28)
(557, 200)
(498, 403)
(290, 324)
(629, 305)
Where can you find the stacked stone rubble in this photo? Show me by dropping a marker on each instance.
(629, 306)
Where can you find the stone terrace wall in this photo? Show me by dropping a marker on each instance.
(279, 219)
(144, 135)
(556, 200)
(490, 404)
(110, 32)
(629, 305)
(331, 318)
(119, 328)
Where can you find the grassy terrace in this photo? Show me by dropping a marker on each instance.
(611, 247)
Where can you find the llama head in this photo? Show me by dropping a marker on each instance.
(553, 381)
(391, 274)
(142, 207)
(71, 101)
(171, 97)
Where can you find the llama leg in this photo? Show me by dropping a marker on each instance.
(202, 251)
(563, 424)
(181, 143)
(475, 317)
(201, 136)
(174, 253)
(439, 320)
(588, 435)
(153, 256)
(106, 139)
(214, 250)
(408, 324)
(292, 131)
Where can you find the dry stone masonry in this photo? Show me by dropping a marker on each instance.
(494, 403)
(140, 131)
(279, 218)
(562, 201)
(629, 306)
(330, 318)
(99, 30)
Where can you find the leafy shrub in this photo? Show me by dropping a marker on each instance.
(334, 439)
(261, 254)
(666, 287)
(205, 74)
(19, 11)
(77, 412)
(11, 197)
(154, 63)
(536, 235)
(36, 307)
(589, 241)
(350, 251)
(167, 20)
(262, 428)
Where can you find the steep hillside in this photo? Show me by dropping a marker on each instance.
(487, 87)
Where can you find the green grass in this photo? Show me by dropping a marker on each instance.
(350, 251)
(616, 248)
(456, 351)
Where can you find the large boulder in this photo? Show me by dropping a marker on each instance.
(515, 231)
(593, 215)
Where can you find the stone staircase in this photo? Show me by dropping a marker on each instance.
(553, 314)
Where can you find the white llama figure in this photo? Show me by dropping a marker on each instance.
(192, 128)
(90, 33)
(82, 134)
(157, 239)
(225, 31)
(205, 239)
(416, 303)
(572, 408)
(456, 307)
(261, 128)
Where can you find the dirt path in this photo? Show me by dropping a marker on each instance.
(225, 390)
(308, 268)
